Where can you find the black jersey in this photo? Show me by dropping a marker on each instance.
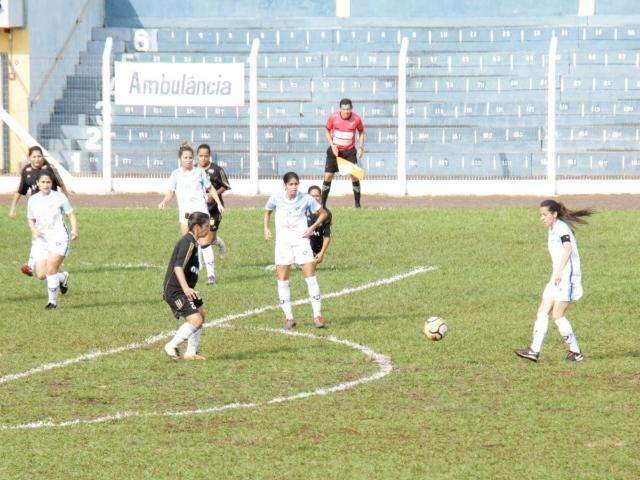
(29, 176)
(185, 255)
(324, 230)
(218, 178)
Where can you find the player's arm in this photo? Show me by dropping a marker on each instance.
(224, 180)
(323, 251)
(361, 139)
(13, 211)
(190, 293)
(334, 149)
(322, 216)
(213, 194)
(32, 226)
(266, 218)
(567, 248)
(74, 224)
(167, 198)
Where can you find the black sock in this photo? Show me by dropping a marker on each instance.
(356, 192)
(326, 187)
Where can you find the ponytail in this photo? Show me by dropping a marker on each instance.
(197, 218)
(568, 216)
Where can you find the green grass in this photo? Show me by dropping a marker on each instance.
(465, 407)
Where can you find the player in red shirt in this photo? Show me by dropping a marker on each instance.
(341, 134)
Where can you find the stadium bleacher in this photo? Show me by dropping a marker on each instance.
(476, 100)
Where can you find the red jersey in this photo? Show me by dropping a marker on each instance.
(343, 131)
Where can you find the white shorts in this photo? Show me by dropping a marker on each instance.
(569, 290)
(289, 253)
(42, 246)
(183, 212)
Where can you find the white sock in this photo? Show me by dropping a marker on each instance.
(53, 284)
(62, 276)
(193, 342)
(32, 261)
(209, 262)
(184, 332)
(284, 293)
(540, 328)
(564, 327)
(314, 294)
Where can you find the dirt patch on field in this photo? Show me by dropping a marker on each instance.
(151, 200)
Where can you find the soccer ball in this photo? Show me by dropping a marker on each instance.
(435, 329)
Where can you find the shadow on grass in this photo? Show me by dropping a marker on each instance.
(113, 268)
(258, 354)
(628, 354)
(154, 301)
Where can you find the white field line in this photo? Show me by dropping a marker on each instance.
(384, 368)
(214, 323)
(383, 362)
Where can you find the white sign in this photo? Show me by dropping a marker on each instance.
(179, 84)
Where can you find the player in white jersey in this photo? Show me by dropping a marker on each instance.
(292, 243)
(192, 188)
(50, 235)
(565, 285)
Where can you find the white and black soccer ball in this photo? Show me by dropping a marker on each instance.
(435, 329)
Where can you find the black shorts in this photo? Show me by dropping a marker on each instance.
(181, 306)
(216, 217)
(331, 166)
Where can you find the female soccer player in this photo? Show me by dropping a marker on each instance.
(179, 292)
(565, 285)
(50, 235)
(220, 182)
(292, 243)
(28, 177)
(321, 237)
(192, 188)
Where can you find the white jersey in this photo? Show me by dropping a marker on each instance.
(190, 187)
(559, 231)
(291, 215)
(47, 210)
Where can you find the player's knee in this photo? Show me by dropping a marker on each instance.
(41, 275)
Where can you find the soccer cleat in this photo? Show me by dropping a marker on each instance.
(318, 322)
(172, 352)
(528, 354)
(64, 286)
(195, 356)
(574, 356)
(289, 323)
(50, 306)
(223, 248)
(358, 205)
(27, 270)
(211, 280)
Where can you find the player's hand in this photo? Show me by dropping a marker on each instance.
(308, 232)
(334, 149)
(74, 235)
(267, 234)
(220, 207)
(13, 213)
(360, 152)
(191, 294)
(162, 205)
(319, 258)
(557, 278)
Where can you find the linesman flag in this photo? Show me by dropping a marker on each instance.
(345, 167)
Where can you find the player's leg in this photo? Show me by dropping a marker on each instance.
(54, 279)
(190, 311)
(540, 327)
(566, 332)
(309, 272)
(193, 342)
(284, 292)
(29, 267)
(355, 183)
(330, 169)
(217, 239)
(40, 255)
(207, 254)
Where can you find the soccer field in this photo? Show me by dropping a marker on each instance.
(267, 405)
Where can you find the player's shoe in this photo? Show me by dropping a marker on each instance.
(574, 357)
(211, 280)
(172, 352)
(223, 248)
(318, 322)
(64, 286)
(528, 354)
(358, 205)
(27, 270)
(50, 306)
(289, 323)
(196, 357)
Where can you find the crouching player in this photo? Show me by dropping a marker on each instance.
(321, 236)
(179, 288)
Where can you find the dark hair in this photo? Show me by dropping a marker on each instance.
(184, 147)
(35, 148)
(44, 173)
(566, 215)
(346, 101)
(314, 187)
(197, 218)
(204, 145)
(289, 175)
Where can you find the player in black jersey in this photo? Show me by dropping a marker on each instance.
(178, 288)
(321, 237)
(28, 185)
(220, 182)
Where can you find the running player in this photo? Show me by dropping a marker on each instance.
(341, 134)
(321, 237)
(178, 288)
(565, 285)
(292, 243)
(192, 188)
(28, 176)
(220, 182)
(50, 235)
